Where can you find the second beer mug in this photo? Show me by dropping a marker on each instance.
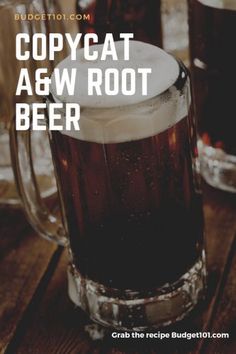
(141, 17)
(130, 196)
(212, 26)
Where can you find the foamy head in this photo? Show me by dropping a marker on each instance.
(220, 4)
(112, 119)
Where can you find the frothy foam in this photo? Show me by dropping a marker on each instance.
(220, 4)
(112, 119)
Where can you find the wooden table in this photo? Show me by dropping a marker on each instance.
(36, 315)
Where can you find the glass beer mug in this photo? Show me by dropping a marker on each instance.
(141, 17)
(130, 197)
(212, 25)
(13, 20)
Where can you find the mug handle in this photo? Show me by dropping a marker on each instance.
(48, 226)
